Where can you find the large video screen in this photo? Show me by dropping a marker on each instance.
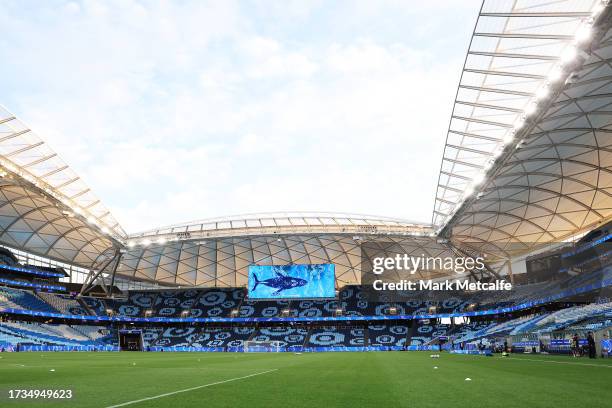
(292, 281)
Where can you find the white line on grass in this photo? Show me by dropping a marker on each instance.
(560, 362)
(188, 389)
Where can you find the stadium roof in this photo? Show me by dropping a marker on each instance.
(528, 155)
(25, 154)
(223, 258)
(286, 222)
(528, 160)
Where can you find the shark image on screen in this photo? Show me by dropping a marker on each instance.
(291, 281)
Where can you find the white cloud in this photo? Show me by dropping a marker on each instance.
(185, 110)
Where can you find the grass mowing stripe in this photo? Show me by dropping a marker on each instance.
(189, 389)
(559, 362)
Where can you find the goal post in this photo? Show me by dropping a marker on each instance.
(254, 346)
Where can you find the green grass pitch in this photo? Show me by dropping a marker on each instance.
(315, 380)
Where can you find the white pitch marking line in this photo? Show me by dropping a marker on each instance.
(189, 389)
(560, 362)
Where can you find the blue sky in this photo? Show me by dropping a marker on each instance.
(174, 111)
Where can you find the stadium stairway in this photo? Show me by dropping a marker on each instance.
(412, 332)
(307, 337)
(86, 307)
(528, 325)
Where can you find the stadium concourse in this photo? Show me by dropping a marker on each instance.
(525, 183)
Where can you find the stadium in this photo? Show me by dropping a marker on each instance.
(282, 309)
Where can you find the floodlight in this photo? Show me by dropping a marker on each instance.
(555, 74)
(531, 108)
(542, 92)
(468, 191)
(520, 122)
(569, 54)
(479, 178)
(598, 8)
(583, 34)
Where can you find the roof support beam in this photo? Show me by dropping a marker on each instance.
(487, 106)
(14, 135)
(459, 176)
(484, 122)
(37, 161)
(505, 73)
(574, 14)
(525, 36)
(24, 149)
(5, 120)
(471, 150)
(463, 163)
(513, 55)
(475, 136)
(495, 90)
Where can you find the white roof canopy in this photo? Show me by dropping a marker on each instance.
(527, 161)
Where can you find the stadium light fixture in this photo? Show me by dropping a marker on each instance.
(478, 179)
(531, 108)
(555, 74)
(131, 244)
(468, 191)
(569, 54)
(542, 92)
(584, 33)
(599, 7)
